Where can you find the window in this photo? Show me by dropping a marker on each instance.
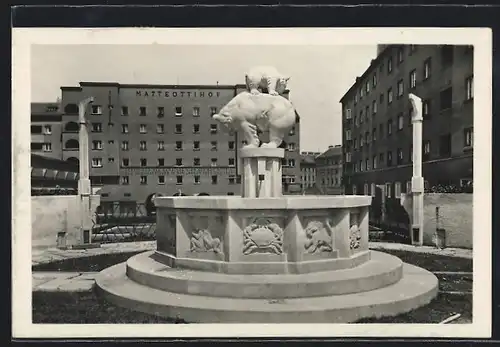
(389, 127)
(367, 87)
(446, 98)
(389, 96)
(196, 111)
(399, 159)
(361, 92)
(374, 80)
(374, 107)
(291, 146)
(231, 161)
(400, 121)
(161, 145)
(427, 150)
(178, 111)
(196, 128)
(374, 134)
(196, 145)
(367, 164)
(125, 162)
(47, 147)
(355, 143)
(348, 135)
(213, 128)
(408, 187)
(179, 179)
(96, 109)
(469, 88)
(446, 55)
(47, 129)
(178, 145)
(161, 112)
(292, 131)
(374, 162)
(400, 88)
(348, 157)
(367, 137)
(427, 69)
(388, 187)
(389, 65)
(124, 145)
(365, 189)
(231, 179)
(36, 129)
(124, 180)
(356, 98)
(413, 79)
(160, 128)
(96, 127)
(161, 179)
(178, 161)
(367, 112)
(361, 166)
(426, 109)
(381, 158)
(413, 48)
(354, 190)
(381, 98)
(214, 179)
(196, 179)
(291, 162)
(144, 180)
(361, 141)
(445, 146)
(401, 55)
(196, 162)
(389, 158)
(96, 145)
(124, 112)
(161, 162)
(144, 162)
(142, 111)
(143, 146)
(96, 162)
(213, 110)
(213, 145)
(213, 162)
(178, 128)
(124, 128)
(381, 131)
(356, 122)
(230, 145)
(361, 118)
(468, 137)
(348, 113)
(397, 190)
(143, 129)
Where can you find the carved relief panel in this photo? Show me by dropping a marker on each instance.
(263, 235)
(354, 230)
(205, 233)
(318, 235)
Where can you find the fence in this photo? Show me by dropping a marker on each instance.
(53, 191)
(124, 222)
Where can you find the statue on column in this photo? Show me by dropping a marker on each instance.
(252, 111)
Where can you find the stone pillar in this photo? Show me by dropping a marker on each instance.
(417, 181)
(261, 172)
(363, 228)
(84, 189)
(341, 226)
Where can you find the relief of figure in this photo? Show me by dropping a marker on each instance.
(266, 77)
(318, 238)
(202, 241)
(247, 114)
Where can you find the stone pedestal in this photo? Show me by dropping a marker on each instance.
(261, 172)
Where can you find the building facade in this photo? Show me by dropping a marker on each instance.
(46, 130)
(308, 169)
(159, 139)
(376, 122)
(329, 171)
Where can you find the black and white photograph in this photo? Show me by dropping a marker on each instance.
(265, 182)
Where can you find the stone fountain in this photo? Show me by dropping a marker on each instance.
(263, 257)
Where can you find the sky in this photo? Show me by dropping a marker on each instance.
(319, 74)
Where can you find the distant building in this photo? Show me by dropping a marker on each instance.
(153, 139)
(376, 122)
(308, 169)
(50, 175)
(46, 129)
(329, 170)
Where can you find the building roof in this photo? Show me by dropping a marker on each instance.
(332, 151)
(381, 49)
(307, 159)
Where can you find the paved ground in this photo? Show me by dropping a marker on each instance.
(76, 281)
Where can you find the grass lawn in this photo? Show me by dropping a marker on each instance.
(87, 308)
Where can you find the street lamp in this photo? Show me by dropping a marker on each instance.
(84, 188)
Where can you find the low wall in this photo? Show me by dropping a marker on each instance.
(53, 214)
(455, 216)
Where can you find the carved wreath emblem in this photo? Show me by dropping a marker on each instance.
(263, 237)
(318, 240)
(202, 241)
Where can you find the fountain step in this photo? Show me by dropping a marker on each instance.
(416, 288)
(382, 270)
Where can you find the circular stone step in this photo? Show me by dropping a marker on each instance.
(416, 288)
(382, 270)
